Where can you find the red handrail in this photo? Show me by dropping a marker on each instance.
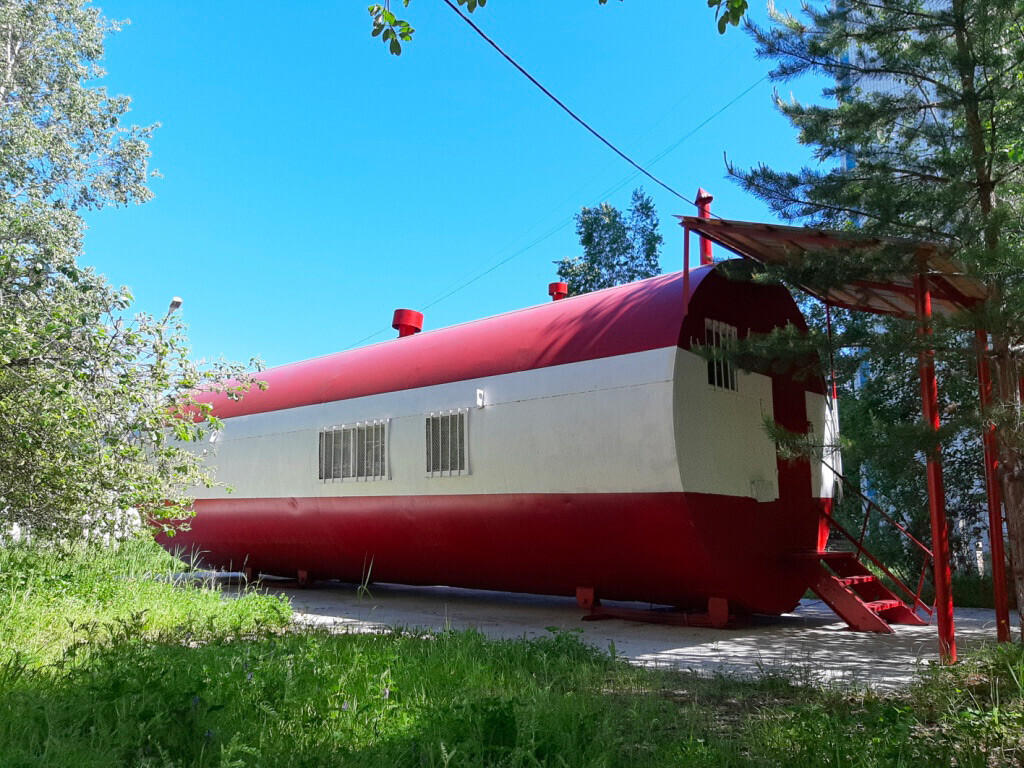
(872, 505)
(916, 598)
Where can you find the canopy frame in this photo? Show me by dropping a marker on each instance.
(936, 284)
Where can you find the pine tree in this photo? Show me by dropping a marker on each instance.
(924, 139)
(880, 403)
(617, 248)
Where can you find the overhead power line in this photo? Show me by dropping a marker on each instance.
(568, 111)
(437, 298)
(575, 195)
(472, 278)
(469, 282)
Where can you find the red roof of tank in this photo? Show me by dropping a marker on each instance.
(629, 318)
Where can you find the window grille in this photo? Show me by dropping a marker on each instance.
(356, 452)
(446, 442)
(717, 336)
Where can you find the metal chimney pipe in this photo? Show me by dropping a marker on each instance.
(704, 211)
(558, 291)
(407, 322)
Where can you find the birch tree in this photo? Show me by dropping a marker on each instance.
(88, 391)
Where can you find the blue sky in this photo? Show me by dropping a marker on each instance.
(312, 183)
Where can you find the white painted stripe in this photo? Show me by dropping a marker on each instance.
(581, 427)
(824, 420)
(637, 423)
(721, 441)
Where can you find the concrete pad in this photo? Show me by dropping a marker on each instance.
(810, 645)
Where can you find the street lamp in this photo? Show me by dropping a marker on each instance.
(172, 308)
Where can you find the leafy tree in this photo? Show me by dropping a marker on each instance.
(930, 109)
(617, 248)
(394, 31)
(86, 394)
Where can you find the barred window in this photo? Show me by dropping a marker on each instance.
(447, 443)
(717, 335)
(356, 452)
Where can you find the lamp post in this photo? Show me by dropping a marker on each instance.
(173, 307)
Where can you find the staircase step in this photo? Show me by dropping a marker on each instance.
(816, 555)
(883, 605)
(850, 589)
(848, 581)
(847, 605)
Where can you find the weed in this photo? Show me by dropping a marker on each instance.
(363, 592)
(57, 601)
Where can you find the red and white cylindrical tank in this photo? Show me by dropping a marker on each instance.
(578, 443)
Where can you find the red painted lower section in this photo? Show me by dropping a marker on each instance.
(667, 548)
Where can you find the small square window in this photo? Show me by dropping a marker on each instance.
(718, 336)
(357, 452)
(446, 443)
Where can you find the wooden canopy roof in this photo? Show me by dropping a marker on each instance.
(952, 290)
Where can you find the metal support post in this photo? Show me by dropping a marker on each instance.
(936, 491)
(704, 211)
(994, 493)
(686, 269)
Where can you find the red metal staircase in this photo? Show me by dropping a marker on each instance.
(856, 593)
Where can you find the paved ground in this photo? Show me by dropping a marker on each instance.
(810, 644)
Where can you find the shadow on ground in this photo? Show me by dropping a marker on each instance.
(810, 645)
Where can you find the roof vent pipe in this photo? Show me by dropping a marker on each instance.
(704, 211)
(558, 290)
(407, 322)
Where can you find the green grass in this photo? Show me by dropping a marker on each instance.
(159, 675)
(53, 600)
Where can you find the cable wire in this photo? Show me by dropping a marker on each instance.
(444, 295)
(672, 147)
(467, 283)
(575, 195)
(568, 111)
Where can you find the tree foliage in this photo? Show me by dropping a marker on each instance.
(394, 31)
(86, 393)
(884, 441)
(920, 137)
(617, 248)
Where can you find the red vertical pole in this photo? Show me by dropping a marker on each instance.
(704, 211)
(936, 491)
(995, 501)
(686, 269)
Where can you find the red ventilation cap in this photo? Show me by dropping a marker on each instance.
(407, 322)
(558, 290)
